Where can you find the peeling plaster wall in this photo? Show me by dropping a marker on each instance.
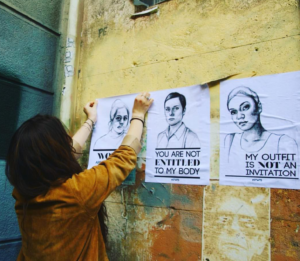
(187, 43)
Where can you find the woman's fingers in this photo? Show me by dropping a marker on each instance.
(145, 95)
(150, 101)
(90, 109)
(141, 95)
(142, 103)
(94, 104)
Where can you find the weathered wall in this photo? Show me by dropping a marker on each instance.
(29, 47)
(187, 43)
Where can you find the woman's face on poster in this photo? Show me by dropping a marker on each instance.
(243, 112)
(173, 111)
(240, 234)
(120, 121)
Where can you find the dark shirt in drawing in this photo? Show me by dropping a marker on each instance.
(183, 137)
(271, 145)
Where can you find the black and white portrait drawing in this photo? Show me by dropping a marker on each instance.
(118, 124)
(245, 109)
(113, 120)
(177, 134)
(260, 131)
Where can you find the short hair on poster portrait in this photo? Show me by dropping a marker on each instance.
(181, 97)
(116, 105)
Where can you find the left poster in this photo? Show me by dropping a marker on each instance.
(114, 114)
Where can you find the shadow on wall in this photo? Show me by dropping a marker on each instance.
(10, 98)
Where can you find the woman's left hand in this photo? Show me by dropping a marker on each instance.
(141, 104)
(90, 109)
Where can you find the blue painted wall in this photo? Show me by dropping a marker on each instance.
(29, 43)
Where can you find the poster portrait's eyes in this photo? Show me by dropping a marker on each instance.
(119, 118)
(247, 222)
(175, 108)
(224, 219)
(233, 112)
(245, 106)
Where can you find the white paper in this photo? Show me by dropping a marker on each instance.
(261, 148)
(183, 156)
(114, 116)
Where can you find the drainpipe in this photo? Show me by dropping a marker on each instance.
(72, 46)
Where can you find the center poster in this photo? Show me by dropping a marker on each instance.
(178, 136)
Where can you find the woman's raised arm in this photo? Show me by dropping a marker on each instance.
(80, 137)
(141, 105)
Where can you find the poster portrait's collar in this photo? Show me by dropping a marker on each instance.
(178, 133)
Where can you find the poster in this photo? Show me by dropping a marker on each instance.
(236, 224)
(259, 131)
(178, 136)
(114, 116)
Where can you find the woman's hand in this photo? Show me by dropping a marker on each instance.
(141, 105)
(90, 109)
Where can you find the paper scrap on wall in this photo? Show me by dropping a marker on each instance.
(259, 131)
(178, 135)
(236, 224)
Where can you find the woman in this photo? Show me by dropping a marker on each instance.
(245, 109)
(119, 119)
(56, 202)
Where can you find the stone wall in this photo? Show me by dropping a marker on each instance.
(187, 43)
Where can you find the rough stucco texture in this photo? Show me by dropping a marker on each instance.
(187, 43)
(8, 223)
(32, 54)
(27, 69)
(45, 12)
(285, 214)
(10, 251)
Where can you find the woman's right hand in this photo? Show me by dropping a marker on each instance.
(141, 104)
(90, 109)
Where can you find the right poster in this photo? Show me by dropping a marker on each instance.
(260, 132)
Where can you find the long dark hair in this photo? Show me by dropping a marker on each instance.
(40, 156)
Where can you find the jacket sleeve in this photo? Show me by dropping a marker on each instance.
(94, 185)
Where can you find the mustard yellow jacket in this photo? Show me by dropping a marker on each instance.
(63, 224)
